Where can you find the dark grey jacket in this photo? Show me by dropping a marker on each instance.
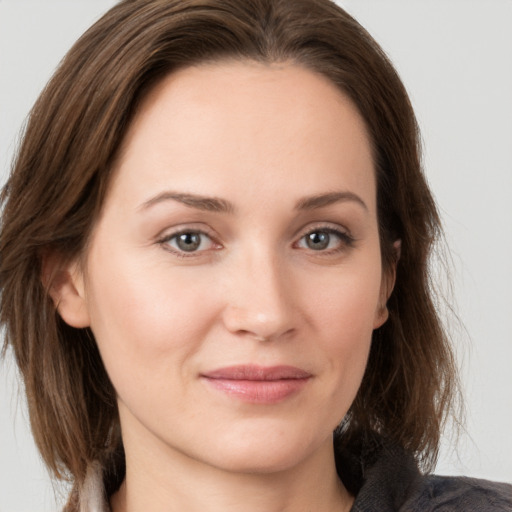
(393, 483)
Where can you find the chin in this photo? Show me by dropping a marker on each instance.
(261, 462)
(266, 452)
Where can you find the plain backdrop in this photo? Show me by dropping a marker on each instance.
(455, 57)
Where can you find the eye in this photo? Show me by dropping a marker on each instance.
(188, 242)
(325, 239)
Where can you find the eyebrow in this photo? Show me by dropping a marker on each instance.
(218, 205)
(209, 204)
(323, 200)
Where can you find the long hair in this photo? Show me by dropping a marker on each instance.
(62, 171)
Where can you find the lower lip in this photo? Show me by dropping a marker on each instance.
(259, 391)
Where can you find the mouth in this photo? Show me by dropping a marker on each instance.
(258, 384)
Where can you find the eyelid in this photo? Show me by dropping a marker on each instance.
(324, 226)
(347, 240)
(166, 235)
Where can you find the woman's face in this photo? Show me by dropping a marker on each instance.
(234, 278)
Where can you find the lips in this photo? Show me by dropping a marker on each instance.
(258, 384)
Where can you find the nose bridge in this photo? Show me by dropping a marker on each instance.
(259, 299)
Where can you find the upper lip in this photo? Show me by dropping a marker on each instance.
(257, 373)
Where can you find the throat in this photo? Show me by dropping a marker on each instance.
(285, 491)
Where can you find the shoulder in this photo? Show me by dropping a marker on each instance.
(457, 494)
(390, 481)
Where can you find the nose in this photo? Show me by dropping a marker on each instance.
(259, 298)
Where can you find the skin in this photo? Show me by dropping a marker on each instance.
(263, 140)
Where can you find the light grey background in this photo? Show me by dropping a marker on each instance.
(455, 57)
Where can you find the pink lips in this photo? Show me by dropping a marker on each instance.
(258, 384)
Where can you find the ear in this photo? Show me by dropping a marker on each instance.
(386, 287)
(65, 285)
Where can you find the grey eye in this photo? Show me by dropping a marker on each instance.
(325, 240)
(188, 242)
(318, 240)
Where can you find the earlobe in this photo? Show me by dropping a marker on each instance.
(381, 316)
(65, 285)
(387, 285)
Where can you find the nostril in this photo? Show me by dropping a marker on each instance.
(276, 334)
(264, 314)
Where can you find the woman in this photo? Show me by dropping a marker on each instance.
(181, 150)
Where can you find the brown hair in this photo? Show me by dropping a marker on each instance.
(62, 171)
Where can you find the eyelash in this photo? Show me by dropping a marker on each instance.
(165, 242)
(346, 241)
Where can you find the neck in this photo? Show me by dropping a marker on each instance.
(181, 483)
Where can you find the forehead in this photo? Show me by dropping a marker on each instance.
(244, 123)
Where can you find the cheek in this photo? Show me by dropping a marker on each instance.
(144, 319)
(347, 301)
(344, 312)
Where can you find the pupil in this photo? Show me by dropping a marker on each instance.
(189, 241)
(318, 240)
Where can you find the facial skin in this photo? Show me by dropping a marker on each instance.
(264, 141)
